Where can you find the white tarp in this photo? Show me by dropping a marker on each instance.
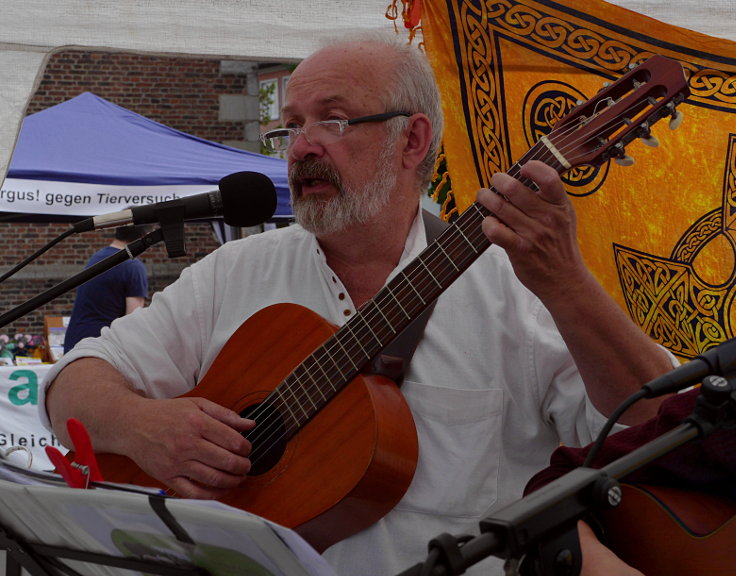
(261, 30)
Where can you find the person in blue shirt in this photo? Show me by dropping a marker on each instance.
(112, 294)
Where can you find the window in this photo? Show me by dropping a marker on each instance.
(269, 98)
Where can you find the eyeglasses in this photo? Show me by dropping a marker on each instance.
(326, 131)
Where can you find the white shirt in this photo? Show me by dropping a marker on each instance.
(492, 387)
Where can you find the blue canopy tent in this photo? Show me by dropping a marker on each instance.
(88, 156)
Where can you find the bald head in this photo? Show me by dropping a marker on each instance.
(384, 68)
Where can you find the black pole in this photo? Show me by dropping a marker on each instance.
(129, 252)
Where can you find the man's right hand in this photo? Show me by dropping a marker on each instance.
(192, 445)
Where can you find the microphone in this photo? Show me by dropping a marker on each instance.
(243, 199)
(718, 361)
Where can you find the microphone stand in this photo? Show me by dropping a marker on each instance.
(129, 252)
(541, 528)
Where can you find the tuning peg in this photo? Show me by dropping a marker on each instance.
(650, 141)
(624, 160)
(676, 120)
(619, 155)
(645, 134)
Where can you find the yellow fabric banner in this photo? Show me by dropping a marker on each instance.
(659, 234)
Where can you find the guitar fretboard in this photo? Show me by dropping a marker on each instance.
(331, 366)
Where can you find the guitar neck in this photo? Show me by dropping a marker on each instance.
(422, 281)
(380, 320)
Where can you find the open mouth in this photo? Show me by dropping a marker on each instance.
(312, 173)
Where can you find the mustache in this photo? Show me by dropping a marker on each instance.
(312, 169)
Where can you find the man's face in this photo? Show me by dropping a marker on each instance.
(342, 182)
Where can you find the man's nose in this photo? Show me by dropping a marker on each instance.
(302, 146)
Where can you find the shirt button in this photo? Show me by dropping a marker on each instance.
(341, 296)
(347, 312)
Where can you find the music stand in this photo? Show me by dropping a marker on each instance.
(50, 529)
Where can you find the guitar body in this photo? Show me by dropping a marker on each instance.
(344, 470)
(670, 532)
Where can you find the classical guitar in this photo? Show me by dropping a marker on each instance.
(330, 459)
(672, 532)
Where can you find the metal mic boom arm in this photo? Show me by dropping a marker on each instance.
(542, 525)
(129, 252)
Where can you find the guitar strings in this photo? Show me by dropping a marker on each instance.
(401, 288)
(327, 348)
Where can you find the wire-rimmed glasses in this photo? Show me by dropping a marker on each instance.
(325, 131)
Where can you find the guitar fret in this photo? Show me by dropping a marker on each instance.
(477, 208)
(428, 281)
(365, 347)
(452, 251)
(371, 315)
(314, 384)
(332, 359)
(447, 256)
(432, 276)
(326, 376)
(311, 385)
(467, 240)
(367, 324)
(311, 376)
(357, 341)
(279, 390)
(345, 353)
(298, 376)
(294, 385)
(386, 320)
(478, 237)
(397, 301)
(411, 285)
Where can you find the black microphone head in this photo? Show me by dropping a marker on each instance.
(248, 198)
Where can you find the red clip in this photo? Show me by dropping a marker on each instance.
(83, 470)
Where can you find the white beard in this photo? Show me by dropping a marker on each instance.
(352, 205)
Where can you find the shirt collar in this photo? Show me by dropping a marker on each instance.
(416, 241)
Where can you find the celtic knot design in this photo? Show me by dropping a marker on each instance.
(709, 84)
(527, 22)
(664, 294)
(667, 297)
(698, 235)
(684, 316)
(544, 105)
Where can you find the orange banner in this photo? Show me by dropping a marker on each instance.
(659, 234)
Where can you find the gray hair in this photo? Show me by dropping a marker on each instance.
(413, 88)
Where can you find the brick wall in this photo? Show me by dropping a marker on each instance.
(180, 92)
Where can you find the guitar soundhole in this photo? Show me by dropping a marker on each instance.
(268, 437)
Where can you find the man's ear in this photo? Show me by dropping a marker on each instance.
(418, 139)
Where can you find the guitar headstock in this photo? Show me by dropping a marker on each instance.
(599, 129)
